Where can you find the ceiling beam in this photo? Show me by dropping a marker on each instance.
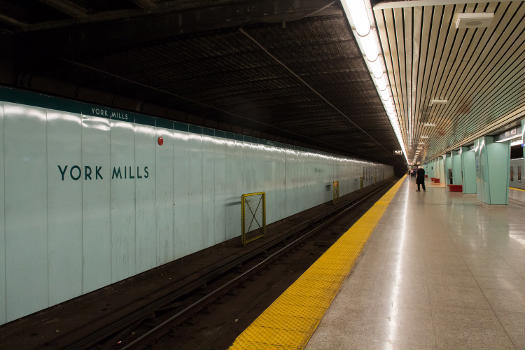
(145, 4)
(13, 21)
(67, 7)
(105, 33)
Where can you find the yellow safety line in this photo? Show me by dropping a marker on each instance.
(516, 189)
(290, 321)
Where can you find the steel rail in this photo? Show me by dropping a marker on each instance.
(224, 287)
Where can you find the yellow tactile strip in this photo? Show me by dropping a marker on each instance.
(289, 322)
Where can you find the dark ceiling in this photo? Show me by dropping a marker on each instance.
(289, 70)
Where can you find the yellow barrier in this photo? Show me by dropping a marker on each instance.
(335, 191)
(253, 217)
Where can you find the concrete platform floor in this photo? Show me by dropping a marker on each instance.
(440, 271)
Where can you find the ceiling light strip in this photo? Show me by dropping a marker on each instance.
(359, 14)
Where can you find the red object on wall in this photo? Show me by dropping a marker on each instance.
(455, 188)
(435, 180)
(160, 141)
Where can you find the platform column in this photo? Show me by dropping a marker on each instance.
(468, 169)
(492, 170)
(523, 141)
(457, 176)
(441, 169)
(448, 169)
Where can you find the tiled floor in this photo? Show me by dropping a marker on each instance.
(440, 271)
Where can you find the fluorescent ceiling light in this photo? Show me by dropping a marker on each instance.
(510, 138)
(381, 83)
(376, 67)
(435, 102)
(359, 14)
(421, 143)
(473, 20)
(385, 95)
(430, 125)
(360, 17)
(516, 143)
(370, 46)
(424, 136)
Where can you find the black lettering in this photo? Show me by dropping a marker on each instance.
(116, 173)
(138, 173)
(79, 172)
(125, 172)
(131, 174)
(62, 172)
(97, 171)
(87, 172)
(146, 172)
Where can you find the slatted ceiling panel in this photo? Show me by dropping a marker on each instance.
(479, 71)
(416, 45)
(472, 84)
(442, 53)
(407, 15)
(463, 78)
(395, 64)
(425, 35)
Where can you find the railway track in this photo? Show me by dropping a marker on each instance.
(147, 324)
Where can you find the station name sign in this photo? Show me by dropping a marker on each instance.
(109, 113)
(94, 173)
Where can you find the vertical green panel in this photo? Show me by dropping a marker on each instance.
(181, 178)
(234, 187)
(65, 174)
(208, 191)
(468, 160)
(499, 164)
(164, 196)
(291, 199)
(122, 200)
(145, 223)
(2, 220)
(220, 194)
(278, 193)
(26, 210)
(195, 217)
(96, 204)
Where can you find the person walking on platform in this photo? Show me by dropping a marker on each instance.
(420, 179)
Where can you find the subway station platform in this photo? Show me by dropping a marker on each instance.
(439, 271)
